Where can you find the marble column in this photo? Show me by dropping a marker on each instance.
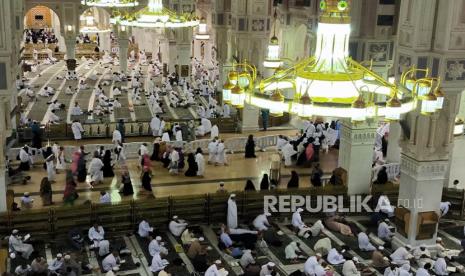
(123, 53)
(356, 155)
(250, 115)
(5, 131)
(393, 150)
(71, 52)
(173, 56)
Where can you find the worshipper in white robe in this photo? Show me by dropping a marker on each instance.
(384, 206)
(232, 212)
(23, 270)
(105, 197)
(441, 249)
(384, 231)
(422, 255)
(17, 245)
(261, 222)
(26, 201)
(69, 90)
(144, 229)
(349, 268)
(423, 271)
(53, 118)
(404, 270)
(116, 91)
(401, 255)
(335, 257)
(220, 154)
(111, 262)
(174, 161)
(293, 251)
(50, 165)
(200, 160)
(177, 226)
(96, 234)
(215, 132)
(95, 169)
(304, 230)
(310, 264)
(165, 137)
(364, 242)
(155, 125)
(77, 129)
(156, 246)
(116, 137)
(158, 264)
(268, 269)
(56, 265)
(440, 266)
(322, 246)
(207, 125)
(444, 207)
(178, 134)
(76, 110)
(287, 152)
(188, 237)
(162, 127)
(212, 148)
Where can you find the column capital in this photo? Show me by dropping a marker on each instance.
(423, 170)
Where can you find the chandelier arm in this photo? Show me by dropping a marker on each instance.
(365, 70)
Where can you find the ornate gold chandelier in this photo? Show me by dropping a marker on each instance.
(110, 3)
(331, 84)
(155, 16)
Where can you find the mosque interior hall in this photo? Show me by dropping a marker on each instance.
(232, 137)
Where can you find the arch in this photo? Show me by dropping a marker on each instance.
(44, 17)
(101, 17)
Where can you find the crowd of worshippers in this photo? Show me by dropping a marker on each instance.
(46, 36)
(305, 148)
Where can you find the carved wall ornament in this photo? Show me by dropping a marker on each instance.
(455, 70)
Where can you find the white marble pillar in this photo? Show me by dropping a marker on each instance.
(5, 131)
(421, 183)
(173, 56)
(123, 53)
(70, 47)
(393, 150)
(250, 115)
(356, 155)
(105, 42)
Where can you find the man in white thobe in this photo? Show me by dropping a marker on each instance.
(95, 169)
(422, 255)
(349, 268)
(384, 231)
(158, 263)
(213, 270)
(293, 251)
(220, 154)
(155, 125)
(288, 151)
(322, 246)
(215, 132)
(232, 212)
(364, 242)
(177, 226)
(440, 267)
(444, 207)
(200, 160)
(117, 137)
(96, 235)
(261, 222)
(401, 255)
(15, 242)
(310, 265)
(156, 246)
(77, 129)
(144, 229)
(111, 262)
(268, 269)
(226, 111)
(334, 257)
(56, 265)
(423, 271)
(105, 197)
(76, 110)
(212, 148)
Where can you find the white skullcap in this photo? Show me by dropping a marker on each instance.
(267, 214)
(386, 220)
(300, 210)
(221, 183)
(355, 259)
(201, 239)
(59, 255)
(218, 262)
(270, 264)
(439, 239)
(15, 231)
(318, 254)
(26, 193)
(67, 257)
(158, 238)
(343, 250)
(386, 258)
(380, 247)
(233, 195)
(115, 268)
(12, 255)
(175, 217)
